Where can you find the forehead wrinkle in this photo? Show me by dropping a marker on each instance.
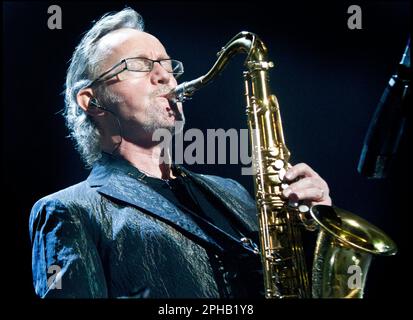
(112, 46)
(140, 54)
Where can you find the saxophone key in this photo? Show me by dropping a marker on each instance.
(279, 164)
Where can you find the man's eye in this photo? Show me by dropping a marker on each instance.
(138, 66)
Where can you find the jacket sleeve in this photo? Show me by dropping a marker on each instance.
(65, 260)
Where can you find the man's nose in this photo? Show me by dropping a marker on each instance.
(160, 75)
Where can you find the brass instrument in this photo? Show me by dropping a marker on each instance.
(345, 242)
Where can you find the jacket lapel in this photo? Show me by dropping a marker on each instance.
(117, 179)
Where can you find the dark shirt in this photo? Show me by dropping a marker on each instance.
(183, 192)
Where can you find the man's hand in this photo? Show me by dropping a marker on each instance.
(309, 186)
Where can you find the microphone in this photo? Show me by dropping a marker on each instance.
(388, 123)
(95, 103)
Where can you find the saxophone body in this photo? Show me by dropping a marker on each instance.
(345, 242)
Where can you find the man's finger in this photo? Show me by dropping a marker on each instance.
(312, 194)
(300, 169)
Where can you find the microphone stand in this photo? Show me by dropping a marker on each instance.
(388, 123)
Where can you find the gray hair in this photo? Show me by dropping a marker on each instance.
(84, 67)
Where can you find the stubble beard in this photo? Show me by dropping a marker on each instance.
(155, 114)
(156, 118)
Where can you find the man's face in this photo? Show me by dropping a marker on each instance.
(141, 106)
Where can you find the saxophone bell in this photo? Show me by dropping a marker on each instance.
(345, 246)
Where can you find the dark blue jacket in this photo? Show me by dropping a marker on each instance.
(113, 236)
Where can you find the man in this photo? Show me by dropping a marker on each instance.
(138, 226)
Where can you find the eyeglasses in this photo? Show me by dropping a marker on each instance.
(139, 64)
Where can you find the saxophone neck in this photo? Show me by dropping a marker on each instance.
(243, 42)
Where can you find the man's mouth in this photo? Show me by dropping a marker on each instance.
(165, 95)
(172, 107)
(172, 102)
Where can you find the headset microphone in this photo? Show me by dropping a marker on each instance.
(95, 103)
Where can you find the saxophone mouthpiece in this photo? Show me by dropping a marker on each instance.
(178, 94)
(171, 96)
(185, 90)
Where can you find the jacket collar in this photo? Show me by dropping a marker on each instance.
(117, 178)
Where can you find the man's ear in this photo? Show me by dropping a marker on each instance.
(84, 96)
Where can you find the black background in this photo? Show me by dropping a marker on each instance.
(328, 80)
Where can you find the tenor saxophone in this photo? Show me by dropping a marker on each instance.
(345, 242)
